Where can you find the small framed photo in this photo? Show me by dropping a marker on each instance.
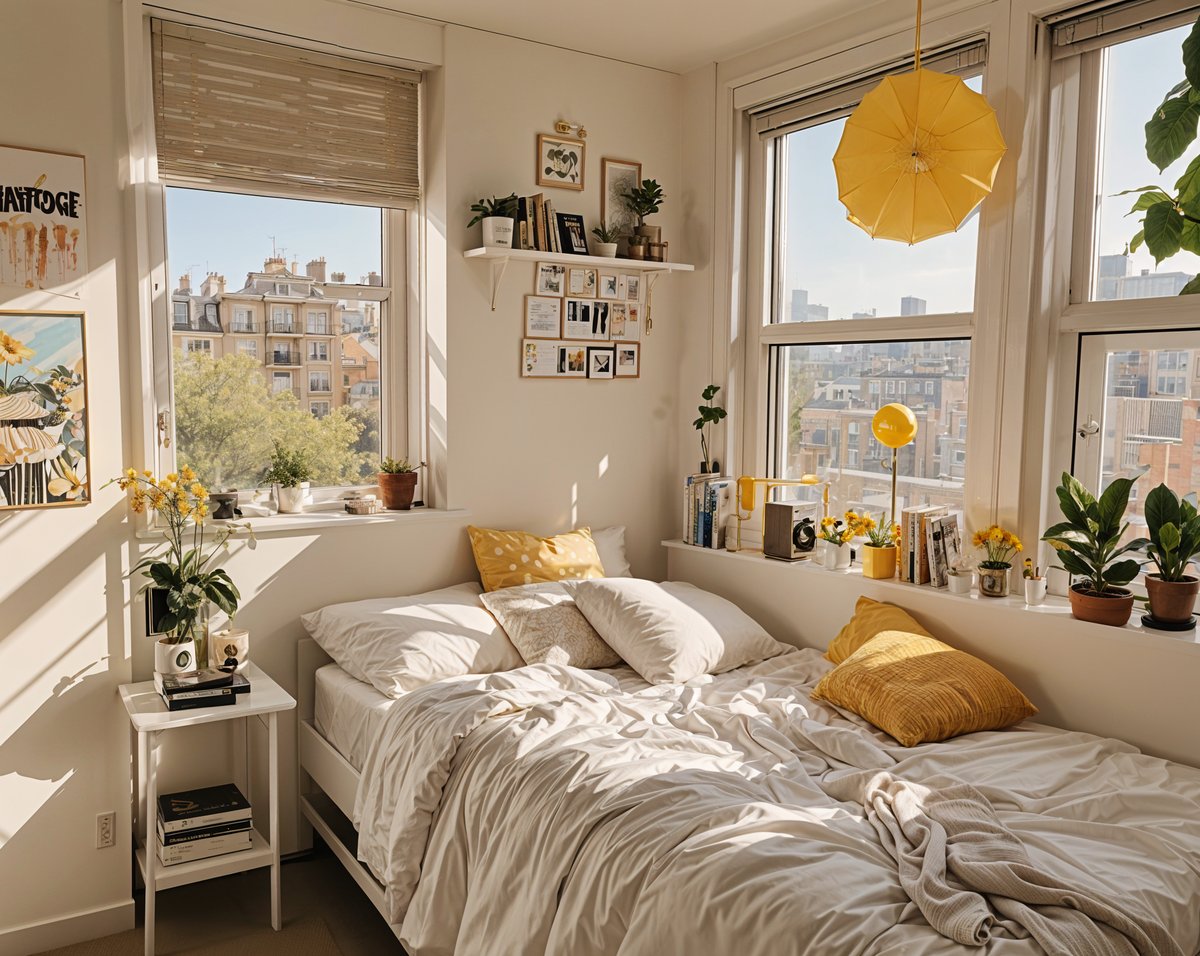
(586, 320)
(628, 360)
(633, 286)
(571, 235)
(560, 161)
(581, 283)
(572, 360)
(633, 322)
(551, 279)
(601, 362)
(543, 317)
(617, 177)
(618, 316)
(608, 286)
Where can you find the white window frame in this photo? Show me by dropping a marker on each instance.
(248, 347)
(309, 314)
(318, 375)
(318, 345)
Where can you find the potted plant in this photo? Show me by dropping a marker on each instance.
(606, 241)
(1088, 544)
(1000, 546)
(643, 201)
(834, 540)
(289, 473)
(183, 570)
(879, 553)
(638, 246)
(710, 414)
(397, 482)
(1174, 527)
(498, 217)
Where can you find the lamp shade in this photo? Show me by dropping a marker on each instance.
(894, 425)
(917, 156)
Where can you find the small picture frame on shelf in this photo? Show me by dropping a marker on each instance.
(581, 282)
(608, 286)
(617, 177)
(633, 286)
(601, 362)
(543, 317)
(571, 235)
(551, 279)
(560, 161)
(629, 360)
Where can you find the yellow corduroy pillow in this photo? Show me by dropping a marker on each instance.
(870, 618)
(918, 689)
(508, 559)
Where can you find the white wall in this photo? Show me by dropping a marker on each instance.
(534, 454)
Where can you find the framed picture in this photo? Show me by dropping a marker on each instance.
(581, 283)
(44, 439)
(577, 318)
(618, 317)
(633, 286)
(560, 161)
(617, 177)
(571, 235)
(543, 317)
(42, 204)
(551, 279)
(608, 286)
(553, 359)
(633, 322)
(600, 361)
(628, 360)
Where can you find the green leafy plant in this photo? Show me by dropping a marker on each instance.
(289, 468)
(644, 200)
(1088, 542)
(402, 466)
(1171, 223)
(505, 206)
(710, 414)
(604, 234)
(1174, 526)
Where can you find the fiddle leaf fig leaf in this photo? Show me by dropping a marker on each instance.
(1171, 130)
(1137, 241)
(1189, 236)
(1147, 199)
(1191, 57)
(1164, 229)
(1187, 187)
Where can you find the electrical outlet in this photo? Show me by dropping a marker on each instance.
(106, 829)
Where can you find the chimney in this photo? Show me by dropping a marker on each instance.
(373, 278)
(316, 269)
(214, 285)
(274, 265)
(369, 314)
(185, 283)
(338, 277)
(295, 270)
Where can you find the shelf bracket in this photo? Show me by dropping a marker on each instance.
(651, 276)
(498, 267)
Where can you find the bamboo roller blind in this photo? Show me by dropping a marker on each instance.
(248, 114)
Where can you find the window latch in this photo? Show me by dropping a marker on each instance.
(164, 429)
(1088, 429)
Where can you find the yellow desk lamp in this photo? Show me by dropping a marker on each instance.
(894, 426)
(746, 499)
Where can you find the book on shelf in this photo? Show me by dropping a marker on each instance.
(951, 541)
(551, 228)
(708, 502)
(203, 849)
(202, 807)
(539, 222)
(201, 833)
(522, 224)
(200, 689)
(936, 552)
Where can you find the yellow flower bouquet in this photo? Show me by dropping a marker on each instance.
(999, 545)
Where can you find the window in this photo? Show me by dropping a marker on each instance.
(283, 320)
(181, 318)
(318, 382)
(318, 409)
(318, 323)
(281, 382)
(318, 351)
(248, 347)
(199, 345)
(243, 321)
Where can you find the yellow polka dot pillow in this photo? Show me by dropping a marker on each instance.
(918, 689)
(508, 559)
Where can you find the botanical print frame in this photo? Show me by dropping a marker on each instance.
(560, 161)
(629, 360)
(617, 177)
(601, 361)
(44, 439)
(43, 218)
(543, 316)
(551, 279)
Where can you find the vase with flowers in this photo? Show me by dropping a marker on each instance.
(1001, 547)
(879, 553)
(183, 571)
(834, 541)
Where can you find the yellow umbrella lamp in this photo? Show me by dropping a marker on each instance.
(894, 426)
(918, 155)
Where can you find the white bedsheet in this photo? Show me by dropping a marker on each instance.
(547, 810)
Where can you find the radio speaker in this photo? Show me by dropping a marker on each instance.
(790, 529)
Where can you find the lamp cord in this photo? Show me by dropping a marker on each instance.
(918, 41)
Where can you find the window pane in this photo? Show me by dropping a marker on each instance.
(831, 269)
(1136, 76)
(830, 394)
(265, 308)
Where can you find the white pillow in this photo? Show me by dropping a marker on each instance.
(610, 545)
(398, 644)
(545, 626)
(671, 632)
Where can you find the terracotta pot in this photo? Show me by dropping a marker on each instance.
(1172, 602)
(878, 562)
(993, 582)
(398, 490)
(1113, 607)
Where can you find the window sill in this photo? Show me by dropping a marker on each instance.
(1055, 607)
(302, 524)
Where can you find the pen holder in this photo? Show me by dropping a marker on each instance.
(1035, 591)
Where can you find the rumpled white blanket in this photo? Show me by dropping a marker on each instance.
(552, 810)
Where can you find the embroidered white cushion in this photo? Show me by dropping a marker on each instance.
(671, 632)
(546, 627)
(398, 644)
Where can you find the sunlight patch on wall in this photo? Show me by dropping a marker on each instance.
(22, 797)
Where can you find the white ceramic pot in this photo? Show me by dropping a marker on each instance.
(959, 583)
(498, 232)
(1035, 591)
(834, 557)
(174, 658)
(289, 500)
(606, 250)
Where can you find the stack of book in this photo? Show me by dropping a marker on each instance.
(543, 228)
(203, 688)
(930, 543)
(197, 824)
(708, 501)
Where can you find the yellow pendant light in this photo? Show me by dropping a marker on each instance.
(918, 155)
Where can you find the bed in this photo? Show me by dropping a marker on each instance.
(548, 808)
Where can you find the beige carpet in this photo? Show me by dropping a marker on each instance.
(309, 937)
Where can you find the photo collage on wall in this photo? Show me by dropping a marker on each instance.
(583, 322)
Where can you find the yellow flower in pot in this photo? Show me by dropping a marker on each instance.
(879, 553)
(398, 483)
(1001, 547)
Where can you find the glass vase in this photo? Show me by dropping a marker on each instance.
(196, 631)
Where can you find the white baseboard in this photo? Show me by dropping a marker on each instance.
(65, 930)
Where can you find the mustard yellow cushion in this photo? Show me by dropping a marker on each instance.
(870, 618)
(508, 559)
(918, 689)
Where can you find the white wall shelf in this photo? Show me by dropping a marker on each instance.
(500, 258)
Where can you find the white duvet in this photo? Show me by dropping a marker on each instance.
(546, 810)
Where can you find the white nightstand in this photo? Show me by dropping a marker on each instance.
(149, 717)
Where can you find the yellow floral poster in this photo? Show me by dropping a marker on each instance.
(43, 410)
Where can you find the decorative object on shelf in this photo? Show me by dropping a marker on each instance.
(656, 251)
(44, 439)
(606, 241)
(1001, 547)
(790, 529)
(893, 426)
(917, 155)
(183, 567)
(1174, 528)
(710, 415)
(834, 544)
(229, 643)
(290, 473)
(560, 161)
(223, 505)
(746, 501)
(1035, 589)
(638, 247)
(1088, 543)
(363, 505)
(645, 200)
(498, 217)
(879, 553)
(959, 579)
(566, 129)
(572, 236)
(617, 178)
(398, 482)
(629, 360)
(44, 243)
(1169, 223)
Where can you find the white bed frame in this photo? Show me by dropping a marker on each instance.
(328, 781)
